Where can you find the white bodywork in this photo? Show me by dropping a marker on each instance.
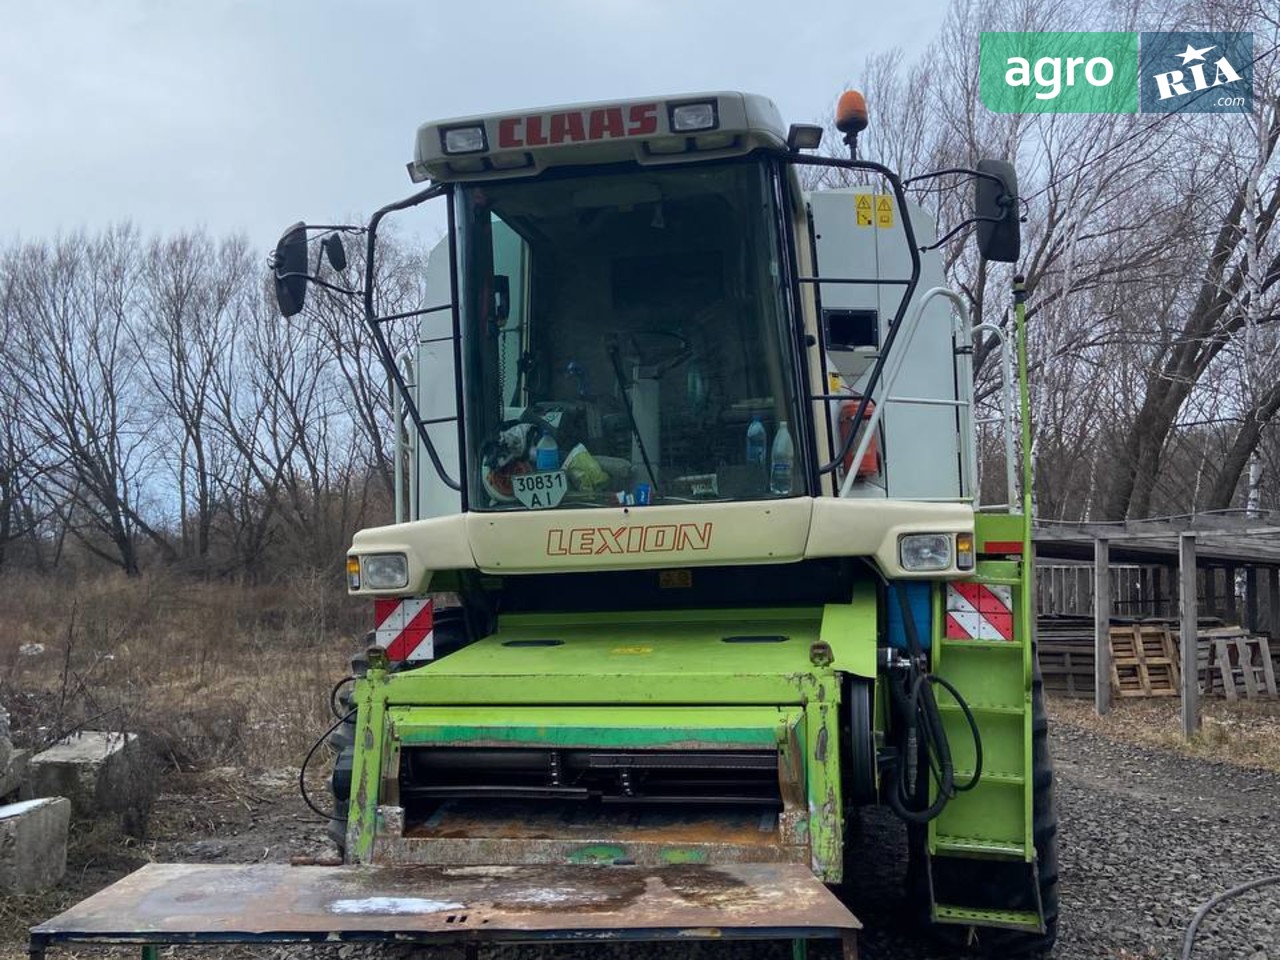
(925, 433)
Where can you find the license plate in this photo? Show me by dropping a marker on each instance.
(540, 490)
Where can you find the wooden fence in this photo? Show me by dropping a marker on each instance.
(1066, 589)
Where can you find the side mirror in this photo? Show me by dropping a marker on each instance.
(996, 202)
(335, 252)
(289, 266)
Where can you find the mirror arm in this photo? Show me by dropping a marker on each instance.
(310, 278)
(942, 173)
(375, 328)
(414, 313)
(957, 228)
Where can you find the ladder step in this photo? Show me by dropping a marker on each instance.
(990, 776)
(981, 708)
(1013, 919)
(1013, 646)
(944, 844)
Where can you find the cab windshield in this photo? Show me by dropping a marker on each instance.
(626, 340)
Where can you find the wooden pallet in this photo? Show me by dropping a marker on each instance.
(1243, 658)
(1144, 661)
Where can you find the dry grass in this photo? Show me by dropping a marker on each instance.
(1244, 733)
(209, 673)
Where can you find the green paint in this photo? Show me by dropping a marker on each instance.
(641, 643)
(650, 658)
(826, 808)
(1024, 401)
(997, 526)
(676, 855)
(1016, 919)
(598, 853)
(366, 772)
(616, 727)
(850, 630)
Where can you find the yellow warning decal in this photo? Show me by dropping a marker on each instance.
(862, 205)
(884, 212)
(632, 651)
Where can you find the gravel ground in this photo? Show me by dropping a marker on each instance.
(1146, 836)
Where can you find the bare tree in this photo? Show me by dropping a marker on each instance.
(77, 375)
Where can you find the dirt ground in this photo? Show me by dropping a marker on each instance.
(1147, 834)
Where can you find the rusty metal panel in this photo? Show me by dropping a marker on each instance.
(278, 902)
(511, 832)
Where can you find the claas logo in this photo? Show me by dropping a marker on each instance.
(578, 126)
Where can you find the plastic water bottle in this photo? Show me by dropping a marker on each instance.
(781, 462)
(756, 440)
(546, 454)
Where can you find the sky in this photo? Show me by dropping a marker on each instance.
(247, 116)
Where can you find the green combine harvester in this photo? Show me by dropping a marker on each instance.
(694, 564)
(690, 565)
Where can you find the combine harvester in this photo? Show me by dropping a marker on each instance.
(693, 567)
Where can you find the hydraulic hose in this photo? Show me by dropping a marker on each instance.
(924, 728)
(302, 772)
(1188, 942)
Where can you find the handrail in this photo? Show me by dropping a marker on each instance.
(969, 485)
(404, 452)
(1006, 388)
(373, 324)
(912, 323)
(895, 325)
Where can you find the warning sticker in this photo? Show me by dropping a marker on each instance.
(978, 611)
(863, 207)
(884, 212)
(404, 628)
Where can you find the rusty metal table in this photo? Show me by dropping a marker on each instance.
(279, 903)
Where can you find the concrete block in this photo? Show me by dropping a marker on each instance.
(33, 844)
(89, 768)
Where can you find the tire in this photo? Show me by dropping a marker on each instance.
(1007, 888)
(342, 742)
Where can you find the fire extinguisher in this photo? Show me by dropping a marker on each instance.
(870, 465)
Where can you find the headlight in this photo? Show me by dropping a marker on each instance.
(688, 117)
(925, 551)
(463, 140)
(385, 571)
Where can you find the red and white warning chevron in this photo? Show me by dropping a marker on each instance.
(979, 611)
(404, 628)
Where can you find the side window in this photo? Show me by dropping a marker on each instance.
(511, 292)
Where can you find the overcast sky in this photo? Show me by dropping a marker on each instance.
(240, 115)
